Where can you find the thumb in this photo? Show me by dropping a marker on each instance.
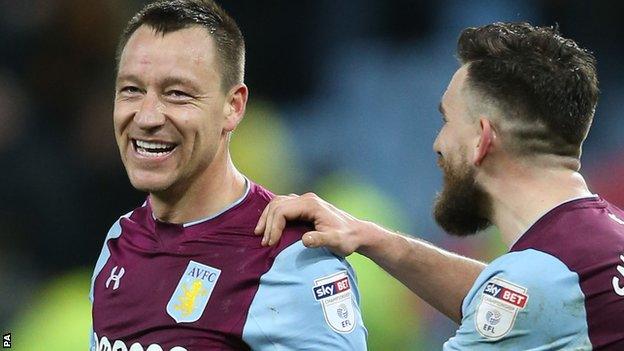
(330, 240)
(313, 239)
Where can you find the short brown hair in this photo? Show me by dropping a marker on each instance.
(166, 16)
(546, 84)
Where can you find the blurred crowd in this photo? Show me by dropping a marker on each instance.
(344, 99)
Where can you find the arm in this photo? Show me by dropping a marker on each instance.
(524, 300)
(439, 277)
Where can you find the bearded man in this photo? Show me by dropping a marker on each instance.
(515, 116)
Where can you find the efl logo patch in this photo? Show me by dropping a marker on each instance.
(334, 294)
(500, 303)
(191, 296)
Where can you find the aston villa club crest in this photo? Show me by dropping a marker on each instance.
(191, 296)
(334, 294)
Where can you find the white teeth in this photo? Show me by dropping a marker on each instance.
(146, 153)
(153, 149)
(152, 145)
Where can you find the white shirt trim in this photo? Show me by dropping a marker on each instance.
(213, 216)
(227, 208)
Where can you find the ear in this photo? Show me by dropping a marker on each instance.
(486, 139)
(234, 107)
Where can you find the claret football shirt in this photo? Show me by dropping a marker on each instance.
(561, 286)
(210, 285)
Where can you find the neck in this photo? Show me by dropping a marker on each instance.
(524, 195)
(217, 187)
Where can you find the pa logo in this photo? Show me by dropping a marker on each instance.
(6, 341)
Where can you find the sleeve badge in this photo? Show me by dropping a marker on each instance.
(499, 306)
(335, 296)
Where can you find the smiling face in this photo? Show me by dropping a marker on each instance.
(462, 207)
(170, 111)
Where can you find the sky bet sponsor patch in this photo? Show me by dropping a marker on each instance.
(334, 294)
(500, 303)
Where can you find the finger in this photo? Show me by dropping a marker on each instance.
(310, 240)
(264, 224)
(287, 208)
(276, 221)
(262, 221)
(269, 223)
(277, 227)
(329, 240)
(321, 239)
(270, 217)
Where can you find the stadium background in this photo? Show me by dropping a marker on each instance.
(343, 102)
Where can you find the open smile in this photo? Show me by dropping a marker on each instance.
(153, 149)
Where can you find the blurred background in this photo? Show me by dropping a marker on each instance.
(343, 102)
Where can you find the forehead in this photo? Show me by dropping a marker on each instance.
(454, 92)
(189, 50)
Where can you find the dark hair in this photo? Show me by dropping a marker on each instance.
(546, 85)
(166, 16)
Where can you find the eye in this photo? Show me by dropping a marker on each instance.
(177, 94)
(130, 90)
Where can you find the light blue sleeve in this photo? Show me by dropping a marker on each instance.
(308, 300)
(527, 300)
(114, 232)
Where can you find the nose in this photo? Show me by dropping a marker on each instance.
(436, 144)
(150, 115)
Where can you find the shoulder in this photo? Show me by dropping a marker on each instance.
(308, 300)
(523, 300)
(293, 231)
(113, 233)
(260, 193)
(592, 230)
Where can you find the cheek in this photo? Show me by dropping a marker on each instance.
(121, 118)
(198, 125)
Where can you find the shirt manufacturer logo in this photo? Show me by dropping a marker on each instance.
(115, 277)
(191, 296)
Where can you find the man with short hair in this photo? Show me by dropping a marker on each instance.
(515, 116)
(185, 271)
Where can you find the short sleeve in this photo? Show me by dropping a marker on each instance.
(526, 300)
(308, 300)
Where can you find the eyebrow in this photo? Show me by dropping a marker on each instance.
(127, 77)
(166, 82)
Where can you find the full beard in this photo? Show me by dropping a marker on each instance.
(463, 207)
